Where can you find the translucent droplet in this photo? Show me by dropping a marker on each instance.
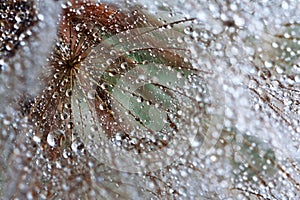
(66, 153)
(268, 64)
(101, 107)
(275, 45)
(19, 17)
(77, 27)
(55, 95)
(7, 121)
(68, 106)
(139, 99)
(40, 17)
(56, 75)
(179, 112)
(77, 145)
(9, 46)
(109, 61)
(51, 139)
(91, 94)
(36, 139)
(239, 21)
(94, 128)
(124, 65)
(3, 65)
(69, 93)
(179, 75)
(70, 125)
(188, 30)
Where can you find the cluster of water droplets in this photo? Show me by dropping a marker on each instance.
(63, 100)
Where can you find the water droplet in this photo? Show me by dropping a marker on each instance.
(36, 139)
(268, 64)
(51, 139)
(56, 75)
(285, 5)
(179, 112)
(19, 17)
(275, 45)
(188, 30)
(7, 121)
(66, 153)
(213, 158)
(179, 75)
(239, 21)
(77, 145)
(77, 27)
(40, 17)
(139, 99)
(55, 95)
(9, 46)
(109, 61)
(69, 93)
(124, 65)
(3, 65)
(101, 107)
(70, 125)
(92, 94)
(94, 128)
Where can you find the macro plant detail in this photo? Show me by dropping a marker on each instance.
(149, 100)
(114, 79)
(128, 92)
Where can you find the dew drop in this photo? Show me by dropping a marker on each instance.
(179, 75)
(66, 153)
(94, 128)
(51, 139)
(55, 95)
(91, 94)
(275, 45)
(124, 65)
(139, 99)
(69, 93)
(9, 46)
(19, 17)
(268, 64)
(70, 125)
(188, 30)
(77, 145)
(36, 139)
(101, 107)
